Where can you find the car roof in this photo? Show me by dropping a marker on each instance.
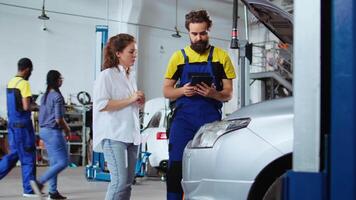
(274, 18)
(273, 107)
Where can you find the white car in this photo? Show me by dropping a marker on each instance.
(243, 156)
(154, 136)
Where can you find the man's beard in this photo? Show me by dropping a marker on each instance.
(200, 46)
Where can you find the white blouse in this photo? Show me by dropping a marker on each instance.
(121, 125)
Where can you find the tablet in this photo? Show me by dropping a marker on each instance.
(199, 79)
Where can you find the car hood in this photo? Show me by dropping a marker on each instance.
(283, 106)
(271, 120)
(274, 18)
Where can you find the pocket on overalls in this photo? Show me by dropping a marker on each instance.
(28, 139)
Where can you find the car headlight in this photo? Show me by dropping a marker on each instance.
(209, 133)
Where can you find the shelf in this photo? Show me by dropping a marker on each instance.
(75, 124)
(75, 143)
(76, 154)
(75, 115)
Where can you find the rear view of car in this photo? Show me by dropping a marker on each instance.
(154, 136)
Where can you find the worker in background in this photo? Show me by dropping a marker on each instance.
(116, 125)
(198, 104)
(21, 135)
(52, 125)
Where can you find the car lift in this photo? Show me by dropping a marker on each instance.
(334, 178)
(97, 171)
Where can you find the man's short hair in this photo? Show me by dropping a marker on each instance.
(23, 64)
(198, 16)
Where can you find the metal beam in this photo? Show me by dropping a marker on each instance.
(343, 100)
(307, 65)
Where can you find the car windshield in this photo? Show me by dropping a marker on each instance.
(155, 120)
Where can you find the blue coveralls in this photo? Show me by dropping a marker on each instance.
(21, 139)
(190, 114)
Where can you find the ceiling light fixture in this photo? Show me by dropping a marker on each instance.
(43, 16)
(176, 35)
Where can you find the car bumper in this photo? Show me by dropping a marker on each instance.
(212, 189)
(228, 169)
(159, 152)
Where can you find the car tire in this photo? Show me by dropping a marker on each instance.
(151, 171)
(269, 178)
(275, 191)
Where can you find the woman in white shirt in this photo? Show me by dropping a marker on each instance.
(116, 122)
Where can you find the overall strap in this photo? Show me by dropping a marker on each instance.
(210, 65)
(184, 75)
(11, 89)
(210, 57)
(186, 59)
(18, 82)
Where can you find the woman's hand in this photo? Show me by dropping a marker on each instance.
(67, 131)
(138, 97)
(63, 124)
(142, 99)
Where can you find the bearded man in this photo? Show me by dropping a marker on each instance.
(198, 103)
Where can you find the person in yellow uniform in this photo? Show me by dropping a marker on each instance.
(21, 135)
(196, 103)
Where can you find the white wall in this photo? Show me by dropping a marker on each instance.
(69, 43)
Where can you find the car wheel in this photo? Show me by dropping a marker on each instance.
(270, 178)
(150, 171)
(274, 192)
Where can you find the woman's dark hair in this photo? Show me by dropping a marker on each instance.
(115, 44)
(53, 77)
(198, 16)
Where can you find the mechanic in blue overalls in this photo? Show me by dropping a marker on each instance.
(199, 104)
(21, 137)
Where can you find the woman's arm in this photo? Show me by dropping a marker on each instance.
(103, 100)
(59, 113)
(63, 124)
(112, 105)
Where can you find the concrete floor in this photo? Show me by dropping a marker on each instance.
(72, 183)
